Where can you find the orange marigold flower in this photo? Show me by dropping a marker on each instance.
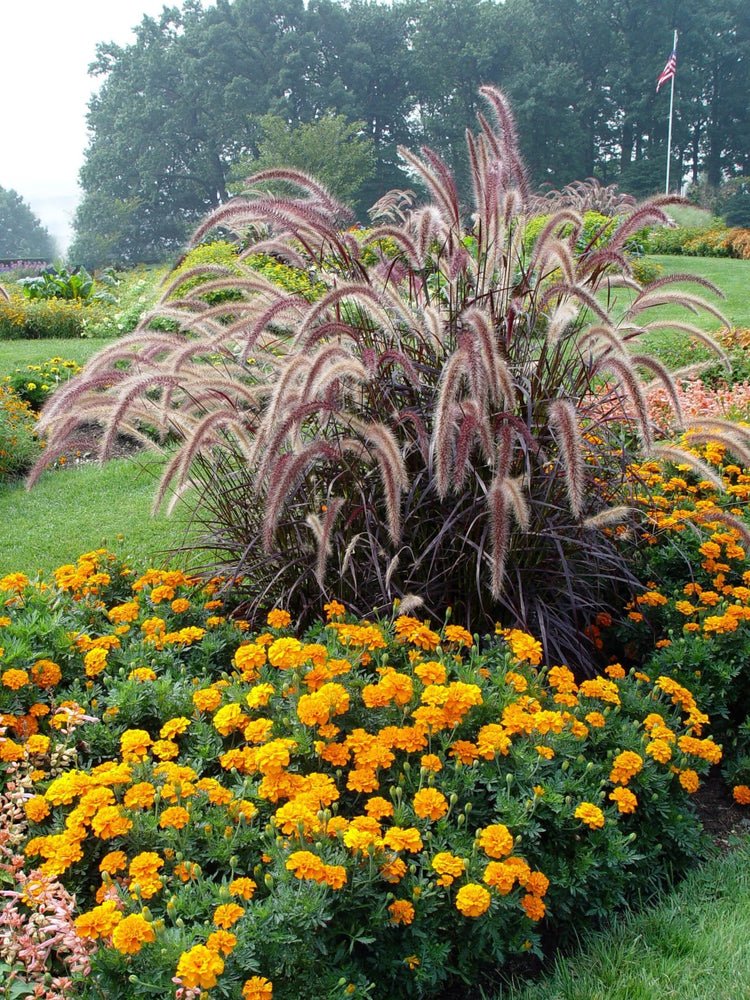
(46, 674)
(258, 988)
(243, 887)
(534, 907)
(278, 618)
(448, 867)
(113, 862)
(223, 941)
(403, 839)
(134, 744)
(625, 799)
(458, 634)
(625, 766)
(99, 922)
(741, 795)
(175, 816)
(495, 840)
(110, 822)
(431, 804)
(402, 911)
(227, 914)
(689, 780)
(131, 933)
(15, 679)
(207, 699)
(473, 900)
(36, 809)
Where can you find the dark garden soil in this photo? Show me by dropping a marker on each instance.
(722, 818)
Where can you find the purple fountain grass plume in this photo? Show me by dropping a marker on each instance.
(285, 474)
(564, 420)
(322, 531)
(395, 206)
(627, 377)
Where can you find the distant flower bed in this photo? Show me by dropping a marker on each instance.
(371, 809)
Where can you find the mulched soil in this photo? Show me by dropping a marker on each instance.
(722, 818)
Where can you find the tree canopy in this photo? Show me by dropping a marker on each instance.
(181, 107)
(22, 235)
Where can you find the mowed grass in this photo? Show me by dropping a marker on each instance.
(71, 511)
(19, 353)
(694, 945)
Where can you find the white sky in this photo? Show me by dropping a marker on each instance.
(46, 47)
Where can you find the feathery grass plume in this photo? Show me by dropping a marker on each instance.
(432, 421)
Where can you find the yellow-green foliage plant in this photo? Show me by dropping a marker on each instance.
(427, 429)
(376, 809)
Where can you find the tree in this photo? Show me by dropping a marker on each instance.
(22, 235)
(334, 151)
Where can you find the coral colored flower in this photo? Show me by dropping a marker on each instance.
(472, 900)
(590, 814)
(401, 911)
(429, 803)
(258, 988)
(199, 967)
(131, 933)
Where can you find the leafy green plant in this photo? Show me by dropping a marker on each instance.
(59, 283)
(449, 425)
(368, 809)
(19, 445)
(35, 383)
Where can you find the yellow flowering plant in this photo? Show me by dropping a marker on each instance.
(357, 810)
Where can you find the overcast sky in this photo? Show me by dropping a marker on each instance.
(46, 47)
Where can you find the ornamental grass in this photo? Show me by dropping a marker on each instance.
(367, 808)
(417, 421)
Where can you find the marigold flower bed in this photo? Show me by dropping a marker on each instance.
(371, 809)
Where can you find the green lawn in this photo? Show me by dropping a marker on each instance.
(73, 510)
(694, 945)
(18, 353)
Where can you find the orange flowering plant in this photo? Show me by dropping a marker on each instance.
(369, 808)
(691, 621)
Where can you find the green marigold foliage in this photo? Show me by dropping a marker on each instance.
(19, 445)
(369, 809)
(36, 383)
(447, 424)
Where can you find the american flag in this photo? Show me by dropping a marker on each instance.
(669, 70)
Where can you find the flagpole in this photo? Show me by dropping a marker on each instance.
(671, 108)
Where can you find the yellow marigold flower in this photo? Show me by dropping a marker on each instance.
(402, 911)
(207, 699)
(174, 727)
(706, 749)
(431, 804)
(140, 796)
(741, 795)
(243, 887)
(222, 941)
(249, 658)
(199, 967)
(131, 933)
(403, 839)
(134, 744)
(37, 743)
(431, 672)
(517, 681)
(544, 751)
(95, 661)
(473, 900)
(590, 814)
(495, 840)
(464, 750)
(124, 612)
(601, 688)
(524, 646)
(278, 618)
(625, 799)
(258, 988)
(142, 674)
(378, 807)
(306, 865)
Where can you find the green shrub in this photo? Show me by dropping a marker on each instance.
(59, 283)
(427, 430)
(34, 384)
(374, 809)
(19, 445)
